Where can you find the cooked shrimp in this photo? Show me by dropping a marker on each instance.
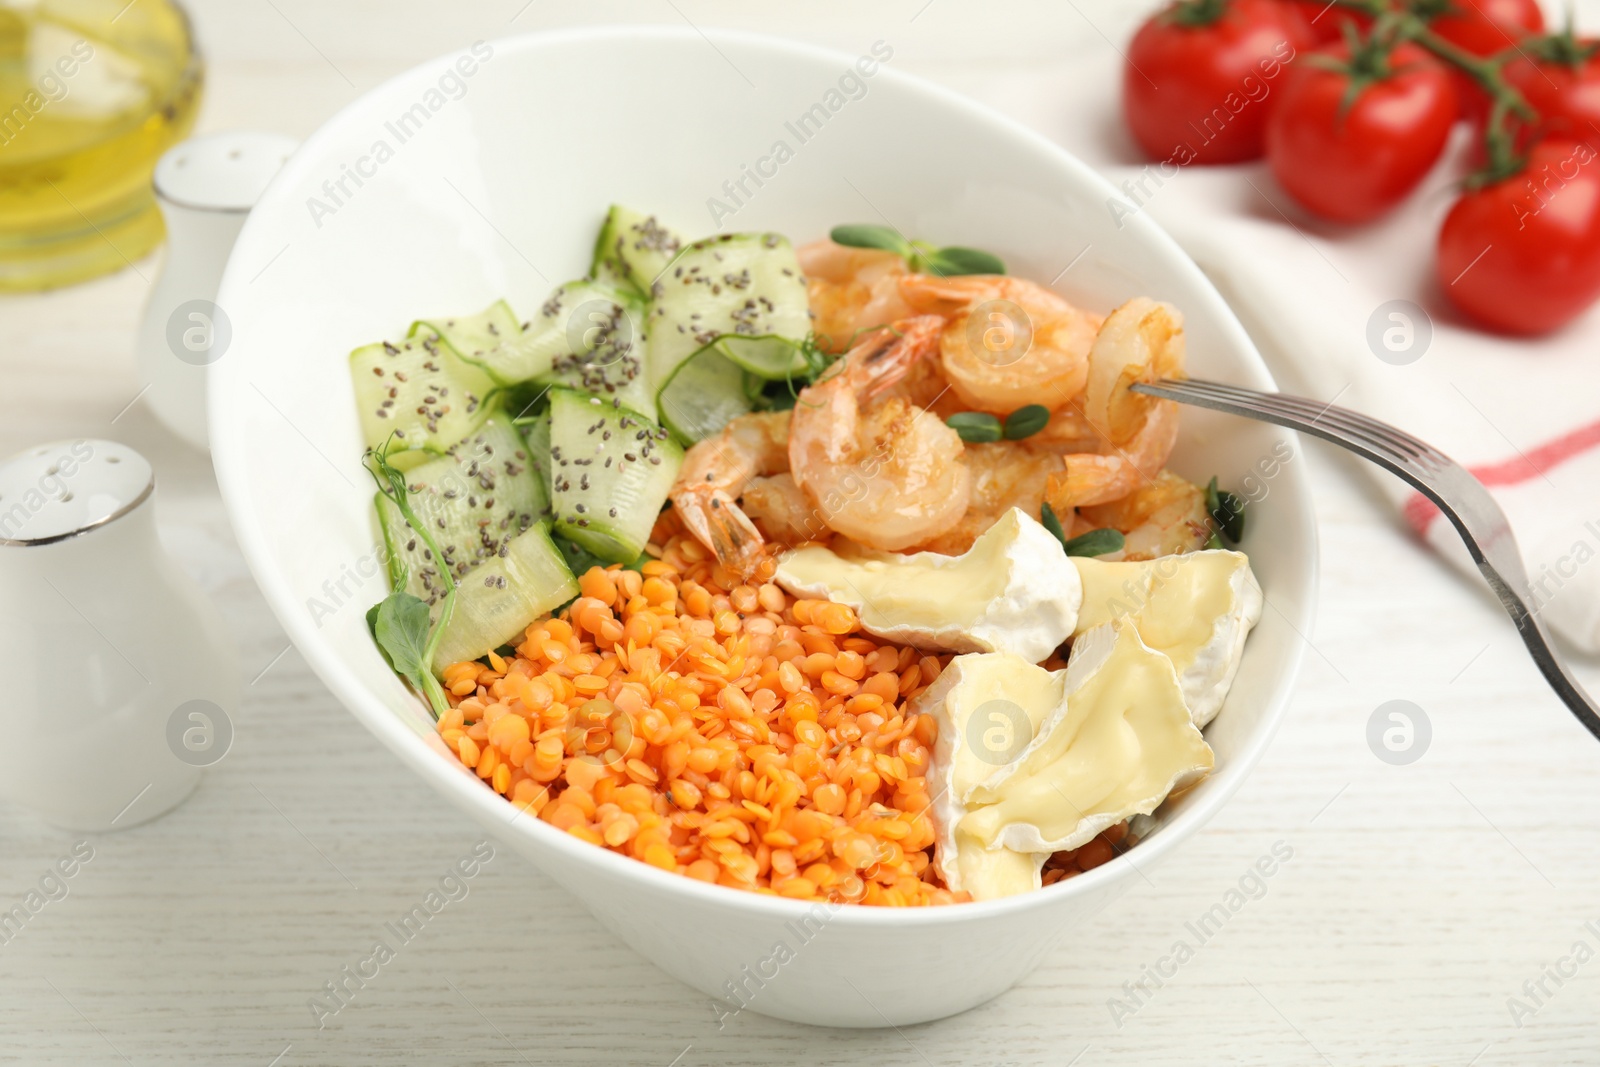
(851, 290)
(1099, 478)
(782, 511)
(886, 474)
(1008, 342)
(1068, 431)
(1161, 518)
(716, 472)
(1005, 475)
(1141, 341)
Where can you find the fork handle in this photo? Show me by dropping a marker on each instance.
(1539, 642)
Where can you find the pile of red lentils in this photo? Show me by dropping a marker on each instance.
(720, 729)
(714, 727)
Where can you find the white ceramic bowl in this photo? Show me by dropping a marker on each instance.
(497, 191)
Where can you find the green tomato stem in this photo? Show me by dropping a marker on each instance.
(1396, 23)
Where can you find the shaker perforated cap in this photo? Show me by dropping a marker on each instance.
(222, 171)
(51, 492)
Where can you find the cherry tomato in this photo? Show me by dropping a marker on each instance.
(1200, 73)
(1327, 19)
(1523, 255)
(1560, 78)
(1352, 163)
(1484, 27)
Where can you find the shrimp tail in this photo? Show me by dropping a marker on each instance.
(715, 473)
(717, 522)
(887, 356)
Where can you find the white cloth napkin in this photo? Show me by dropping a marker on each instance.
(1524, 415)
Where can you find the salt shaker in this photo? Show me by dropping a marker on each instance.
(121, 683)
(205, 188)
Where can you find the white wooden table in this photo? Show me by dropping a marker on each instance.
(1418, 900)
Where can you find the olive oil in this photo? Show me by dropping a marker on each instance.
(92, 92)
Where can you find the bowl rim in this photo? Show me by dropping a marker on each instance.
(471, 795)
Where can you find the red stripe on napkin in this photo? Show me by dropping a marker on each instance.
(1420, 512)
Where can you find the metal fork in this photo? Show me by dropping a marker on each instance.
(1462, 498)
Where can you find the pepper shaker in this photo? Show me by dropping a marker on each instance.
(205, 188)
(120, 679)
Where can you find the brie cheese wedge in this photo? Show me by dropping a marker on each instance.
(1116, 746)
(1195, 608)
(988, 707)
(1012, 591)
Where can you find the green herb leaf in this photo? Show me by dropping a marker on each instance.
(952, 261)
(781, 398)
(1214, 541)
(372, 628)
(580, 559)
(921, 256)
(1026, 421)
(1095, 543)
(975, 427)
(1232, 515)
(1047, 516)
(400, 627)
(1226, 511)
(865, 235)
(392, 484)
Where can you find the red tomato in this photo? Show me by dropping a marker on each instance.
(1523, 255)
(1353, 164)
(1565, 94)
(1199, 75)
(1484, 27)
(1488, 26)
(1327, 19)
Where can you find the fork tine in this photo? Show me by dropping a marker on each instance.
(1317, 421)
(1404, 444)
(1354, 420)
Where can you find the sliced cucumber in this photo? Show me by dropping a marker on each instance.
(745, 286)
(490, 340)
(769, 357)
(613, 469)
(497, 600)
(420, 390)
(494, 341)
(705, 393)
(632, 249)
(474, 499)
(594, 336)
(536, 433)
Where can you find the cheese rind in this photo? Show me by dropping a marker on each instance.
(1196, 608)
(1013, 591)
(1120, 742)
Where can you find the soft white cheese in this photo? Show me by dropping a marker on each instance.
(988, 707)
(1195, 608)
(1013, 591)
(1116, 746)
